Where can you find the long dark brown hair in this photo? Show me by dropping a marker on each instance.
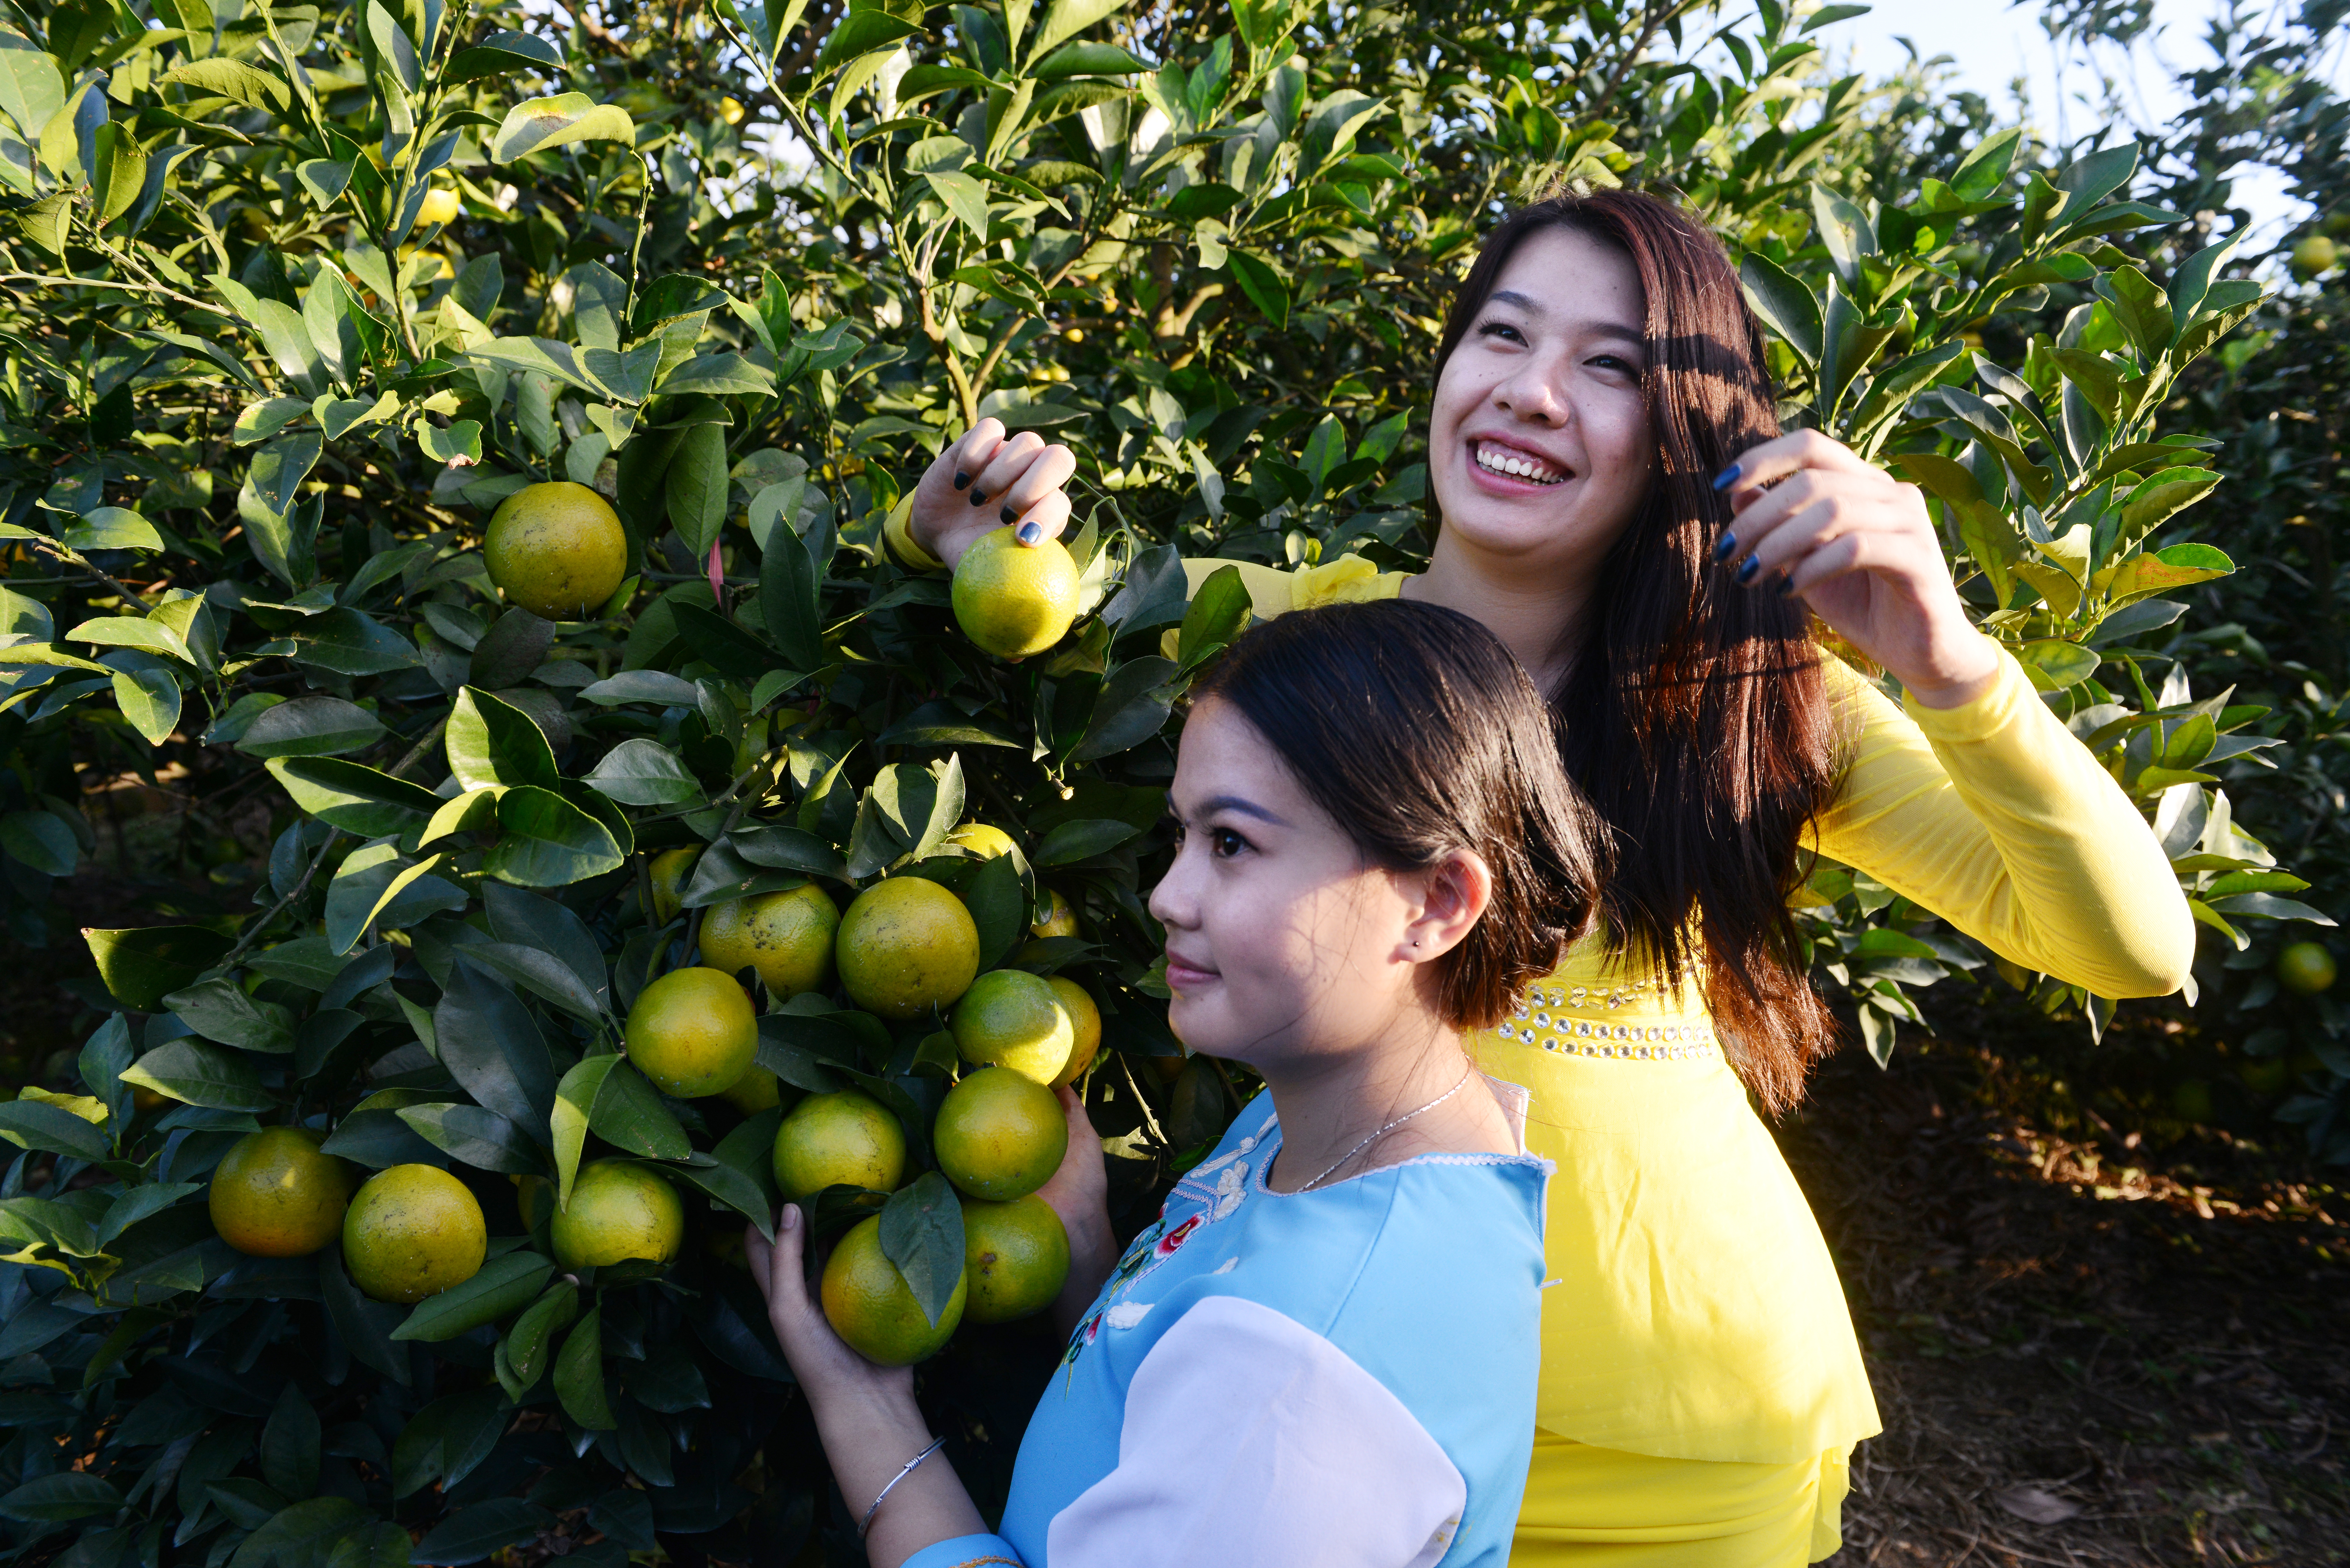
(1693, 712)
(1417, 733)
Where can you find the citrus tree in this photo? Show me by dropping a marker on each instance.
(468, 455)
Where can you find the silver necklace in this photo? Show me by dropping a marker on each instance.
(1391, 1127)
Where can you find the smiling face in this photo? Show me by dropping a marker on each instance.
(1284, 944)
(1540, 447)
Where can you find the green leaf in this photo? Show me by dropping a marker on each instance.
(922, 1234)
(61, 1498)
(111, 528)
(580, 1372)
(357, 799)
(1081, 840)
(541, 973)
(501, 52)
(289, 1446)
(376, 882)
(545, 841)
(1065, 19)
(627, 1113)
(41, 839)
(446, 1440)
(491, 1046)
(860, 33)
(540, 123)
(1087, 59)
(1262, 282)
(232, 79)
(963, 196)
(506, 1283)
(527, 1344)
(2175, 568)
(639, 772)
(198, 1073)
(30, 1123)
(695, 488)
(143, 965)
(348, 642)
(1220, 611)
(146, 634)
(491, 741)
(574, 1104)
(311, 727)
(299, 1536)
(2162, 497)
(220, 1010)
(529, 920)
(472, 1135)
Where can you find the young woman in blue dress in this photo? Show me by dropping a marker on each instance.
(1324, 1352)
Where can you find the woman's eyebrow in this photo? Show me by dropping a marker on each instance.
(1244, 807)
(1623, 330)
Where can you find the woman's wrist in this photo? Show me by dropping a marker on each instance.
(1956, 673)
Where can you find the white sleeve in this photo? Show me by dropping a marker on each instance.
(1250, 1439)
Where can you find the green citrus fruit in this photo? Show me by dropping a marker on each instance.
(1087, 1017)
(2312, 256)
(1009, 1018)
(756, 1091)
(620, 1212)
(667, 874)
(906, 946)
(1015, 1256)
(273, 1195)
(1060, 921)
(1000, 1134)
(1015, 600)
(2306, 967)
(843, 1140)
(2265, 1076)
(867, 1304)
(981, 840)
(558, 550)
(412, 1231)
(692, 1032)
(787, 937)
(441, 205)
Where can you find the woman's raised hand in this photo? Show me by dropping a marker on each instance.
(829, 1372)
(988, 480)
(1810, 517)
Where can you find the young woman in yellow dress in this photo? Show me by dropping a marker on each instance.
(1619, 506)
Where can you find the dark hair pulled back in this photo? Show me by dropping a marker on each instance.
(1693, 713)
(1413, 729)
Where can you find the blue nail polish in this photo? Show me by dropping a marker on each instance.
(1724, 546)
(962, 480)
(1727, 477)
(1030, 533)
(1786, 588)
(1748, 568)
(977, 496)
(1009, 517)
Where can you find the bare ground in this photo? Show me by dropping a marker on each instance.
(2089, 1347)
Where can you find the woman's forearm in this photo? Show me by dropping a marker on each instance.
(868, 1442)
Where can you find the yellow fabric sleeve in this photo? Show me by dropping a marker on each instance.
(897, 535)
(1994, 818)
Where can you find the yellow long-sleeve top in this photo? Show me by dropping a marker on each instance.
(1696, 1313)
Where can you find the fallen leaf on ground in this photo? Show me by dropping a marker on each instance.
(2039, 1506)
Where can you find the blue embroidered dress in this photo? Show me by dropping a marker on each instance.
(1343, 1376)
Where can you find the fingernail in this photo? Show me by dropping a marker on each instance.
(1724, 546)
(790, 1217)
(977, 497)
(1030, 533)
(1786, 588)
(1009, 516)
(962, 480)
(1748, 568)
(1727, 477)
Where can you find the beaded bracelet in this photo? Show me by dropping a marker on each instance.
(867, 1523)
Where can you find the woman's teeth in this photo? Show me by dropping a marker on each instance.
(1496, 462)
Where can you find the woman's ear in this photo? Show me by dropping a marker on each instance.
(1453, 895)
